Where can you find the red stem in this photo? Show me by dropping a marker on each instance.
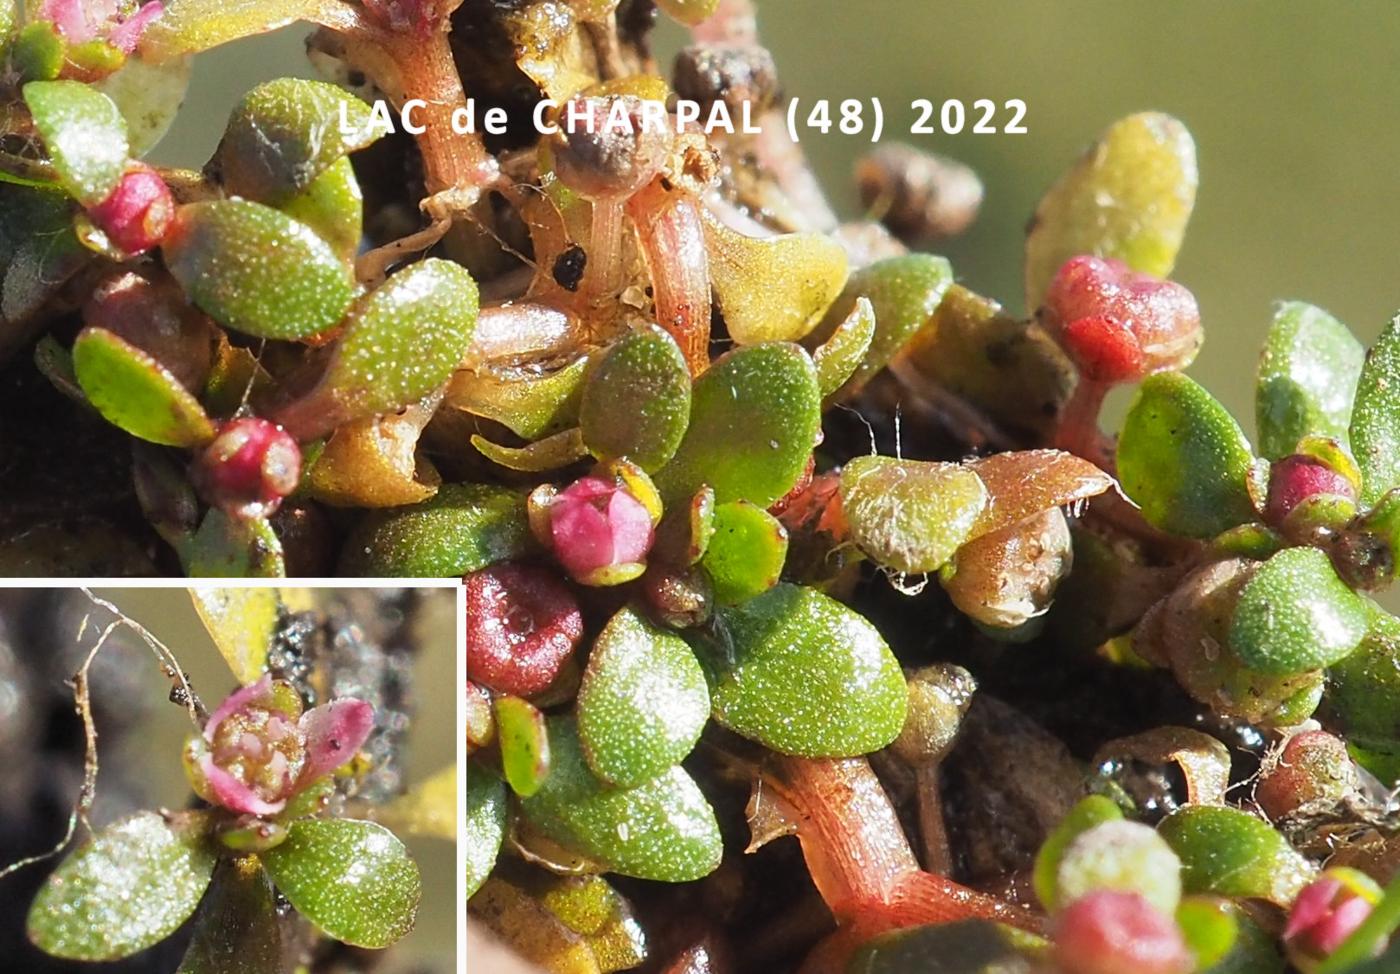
(861, 862)
(673, 239)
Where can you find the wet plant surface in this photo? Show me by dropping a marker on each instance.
(768, 526)
(298, 775)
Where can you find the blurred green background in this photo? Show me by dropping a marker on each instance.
(170, 616)
(1293, 104)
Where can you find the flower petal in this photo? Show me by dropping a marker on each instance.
(333, 732)
(235, 702)
(127, 35)
(233, 794)
(1311, 906)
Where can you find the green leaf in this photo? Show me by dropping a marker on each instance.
(1296, 615)
(1088, 812)
(1009, 369)
(754, 419)
(285, 134)
(529, 404)
(460, 529)
(191, 26)
(663, 829)
(352, 879)
(904, 293)
(1307, 379)
(241, 621)
(227, 547)
(839, 356)
(1255, 950)
(745, 552)
(1184, 459)
(1365, 687)
(524, 744)
(910, 515)
(135, 392)
(1375, 421)
(39, 252)
(1128, 197)
(37, 51)
(550, 453)
(148, 96)
(1231, 853)
(807, 676)
(485, 825)
(85, 136)
(129, 887)
(642, 703)
(1210, 927)
(636, 401)
(773, 289)
(333, 206)
(256, 270)
(401, 343)
(237, 931)
(589, 906)
(960, 947)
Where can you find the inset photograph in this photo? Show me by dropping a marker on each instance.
(228, 780)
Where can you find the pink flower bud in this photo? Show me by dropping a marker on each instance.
(522, 624)
(136, 214)
(596, 526)
(1112, 932)
(258, 749)
(248, 468)
(1140, 324)
(1327, 912)
(1294, 479)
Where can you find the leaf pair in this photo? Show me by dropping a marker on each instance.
(133, 884)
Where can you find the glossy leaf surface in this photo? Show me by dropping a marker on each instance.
(636, 401)
(1296, 615)
(663, 829)
(1307, 379)
(910, 515)
(1375, 422)
(85, 136)
(135, 392)
(754, 419)
(257, 270)
(462, 528)
(808, 676)
(1129, 196)
(642, 703)
(284, 134)
(352, 879)
(1184, 459)
(129, 887)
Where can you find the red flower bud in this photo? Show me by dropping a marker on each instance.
(1105, 349)
(1327, 912)
(1121, 325)
(1294, 479)
(1112, 932)
(600, 531)
(136, 214)
(248, 468)
(1313, 765)
(522, 624)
